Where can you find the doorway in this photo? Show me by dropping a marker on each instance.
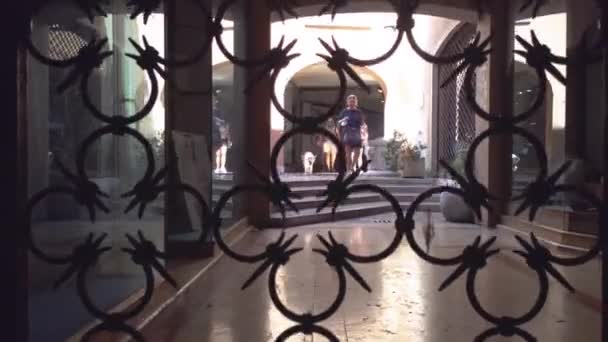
(311, 92)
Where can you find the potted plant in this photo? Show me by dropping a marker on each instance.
(157, 142)
(453, 207)
(393, 150)
(411, 161)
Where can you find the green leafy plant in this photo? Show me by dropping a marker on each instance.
(458, 164)
(393, 150)
(411, 151)
(158, 145)
(400, 150)
(157, 142)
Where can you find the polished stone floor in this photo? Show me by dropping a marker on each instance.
(404, 305)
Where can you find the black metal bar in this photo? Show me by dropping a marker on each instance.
(603, 236)
(13, 252)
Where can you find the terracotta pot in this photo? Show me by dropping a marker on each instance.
(412, 168)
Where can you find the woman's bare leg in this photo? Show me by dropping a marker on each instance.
(349, 158)
(356, 157)
(364, 153)
(217, 159)
(223, 151)
(332, 161)
(328, 161)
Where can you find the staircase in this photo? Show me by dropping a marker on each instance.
(558, 225)
(356, 206)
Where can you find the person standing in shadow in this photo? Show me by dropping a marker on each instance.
(220, 139)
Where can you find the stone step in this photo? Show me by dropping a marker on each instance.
(344, 212)
(311, 191)
(565, 218)
(560, 238)
(360, 198)
(317, 174)
(323, 180)
(158, 208)
(312, 202)
(377, 181)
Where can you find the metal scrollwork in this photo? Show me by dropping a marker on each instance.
(473, 258)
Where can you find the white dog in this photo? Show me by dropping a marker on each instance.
(308, 160)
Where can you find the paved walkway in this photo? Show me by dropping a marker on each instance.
(404, 305)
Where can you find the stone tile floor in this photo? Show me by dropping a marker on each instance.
(404, 305)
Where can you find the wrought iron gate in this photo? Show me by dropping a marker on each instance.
(468, 263)
(455, 117)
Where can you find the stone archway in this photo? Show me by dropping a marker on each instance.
(314, 89)
(453, 117)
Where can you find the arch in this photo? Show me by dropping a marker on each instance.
(311, 89)
(452, 119)
(222, 73)
(366, 73)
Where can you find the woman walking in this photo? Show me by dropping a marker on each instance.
(330, 150)
(351, 121)
(365, 143)
(220, 140)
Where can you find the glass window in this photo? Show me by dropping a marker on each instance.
(547, 123)
(227, 135)
(59, 125)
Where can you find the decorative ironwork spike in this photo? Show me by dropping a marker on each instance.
(523, 43)
(532, 213)
(534, 4)
(290, 241)
(144, 7)
(283, 7)
(356, 276)
(559, 277)
(324, 241)
(524, 244)
(66, 275)
(332, 7)
(256, 274)
(355, 77)
(488, 243)
(554, 178)
(164, 273)
(461, 67)
(551, 69)
(453, 276)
